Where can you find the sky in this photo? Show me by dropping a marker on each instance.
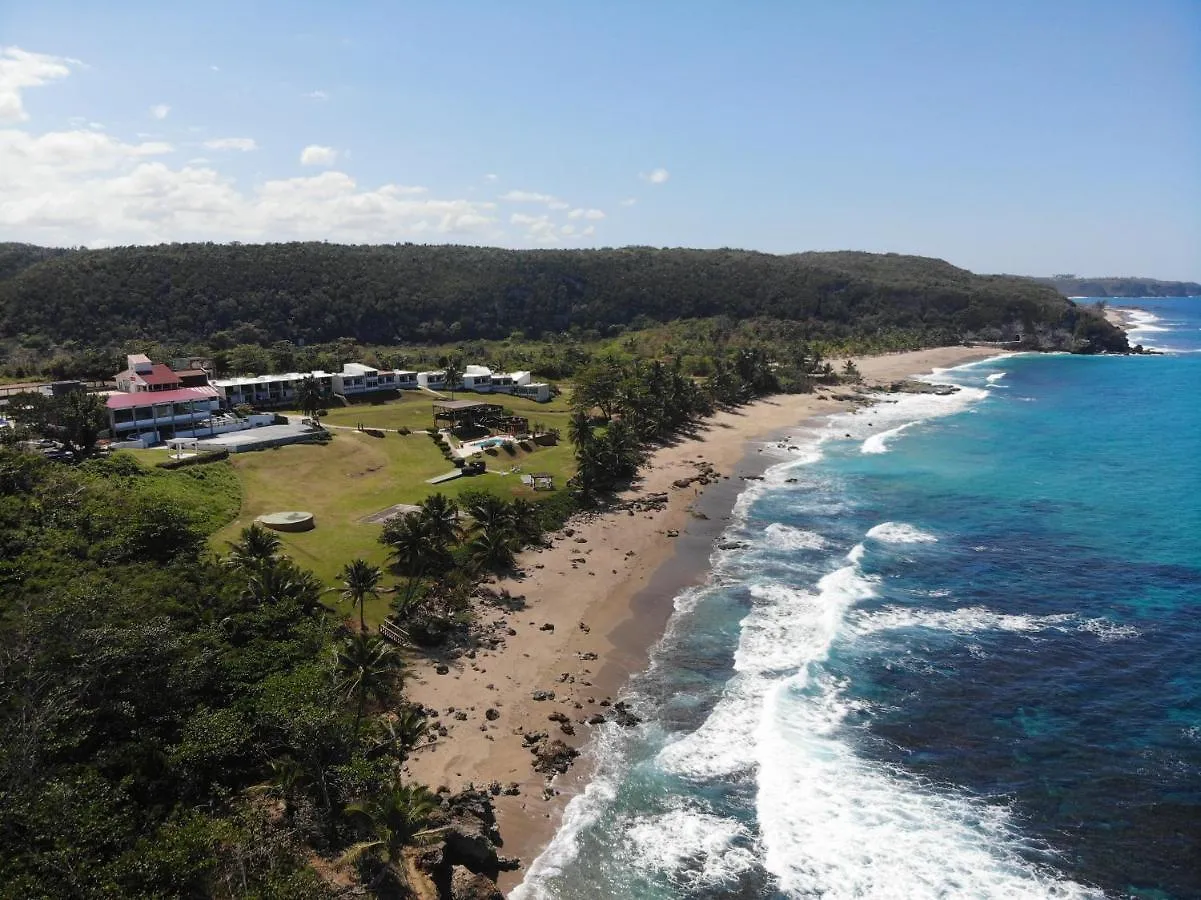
(1040, 137)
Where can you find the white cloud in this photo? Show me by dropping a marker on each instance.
(568, 230)
(243, 144)
(655, 176)
(215, 68)
(316, 155)
(491, 176)
(528, 197)
(538, 229)
(160, 110)
(21, 69)
(317, 95)
(629, 201)
(88, 187)
(586, 214)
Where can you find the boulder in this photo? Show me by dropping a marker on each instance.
(467, 885)
(553, 757)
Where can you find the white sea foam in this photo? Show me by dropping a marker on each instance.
(996, 376)
(878, 443)
(969, 620)
(965, 620)
(1141, 320)
(581, 812)
(878, 424)
(692, 846)
(836, 826)
(900, 533)
(779, 536)
(786, 630)
(1107, 630)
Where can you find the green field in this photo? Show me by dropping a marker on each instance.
(414, 410)
(357, 474)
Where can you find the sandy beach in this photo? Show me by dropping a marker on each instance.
(605, 586)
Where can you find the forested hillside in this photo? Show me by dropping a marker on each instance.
(217, 294)
(1121, 287)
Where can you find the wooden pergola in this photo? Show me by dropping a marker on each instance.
(460, 413)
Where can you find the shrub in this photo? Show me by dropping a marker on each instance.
(205, 456)
(403, 430)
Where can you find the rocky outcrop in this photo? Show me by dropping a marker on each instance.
(908, 386)
(468, 885)
(553, 757)
(464, 862)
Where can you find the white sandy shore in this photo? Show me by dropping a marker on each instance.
(620, 553)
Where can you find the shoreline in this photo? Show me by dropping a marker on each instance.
(607, 585)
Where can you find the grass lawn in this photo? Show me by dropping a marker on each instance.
(356, 475)
(414, 410)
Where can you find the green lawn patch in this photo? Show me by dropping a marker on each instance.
(356, 475)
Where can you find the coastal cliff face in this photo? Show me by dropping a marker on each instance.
(208, 293)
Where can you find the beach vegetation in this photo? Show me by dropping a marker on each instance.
(176, 721)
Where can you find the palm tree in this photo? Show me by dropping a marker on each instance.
(255, 546)
(452, 373)
(441, 516)
(394, 820)
(276, 580)
(526, 520)
(396, 736)
(579, 427)
(308, 397)
(360, 580)
(491, 550)
(365, 667)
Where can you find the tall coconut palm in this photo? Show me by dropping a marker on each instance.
(392, 821)
(360, 580)
(441, 516)
(308, 397)
(254, 546)
(491, 550)
(366, 666)
(453, 374)
(579, 427)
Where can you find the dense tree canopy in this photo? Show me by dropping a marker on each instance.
(223, 295)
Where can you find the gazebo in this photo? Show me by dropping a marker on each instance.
(467, 413)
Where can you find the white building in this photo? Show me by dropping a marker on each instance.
(434, 380)
(356, 378)
(283, 390)
(477, 378)
(270, 390)
(483, 380)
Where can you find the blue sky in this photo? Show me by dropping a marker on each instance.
(1029, 137)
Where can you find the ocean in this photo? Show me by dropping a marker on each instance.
(954, 650)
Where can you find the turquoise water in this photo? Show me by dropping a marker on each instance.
(956, 657)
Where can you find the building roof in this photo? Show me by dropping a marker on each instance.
(476, 371)
(268, 379)
(190, 373)
(135, 358)
(146, 398)
(358, 369)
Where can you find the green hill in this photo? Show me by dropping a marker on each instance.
(1124, 286)
(315, 292)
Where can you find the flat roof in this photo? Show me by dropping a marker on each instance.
(150, 398)
(267, 379)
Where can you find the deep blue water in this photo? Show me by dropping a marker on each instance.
(957, 657)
